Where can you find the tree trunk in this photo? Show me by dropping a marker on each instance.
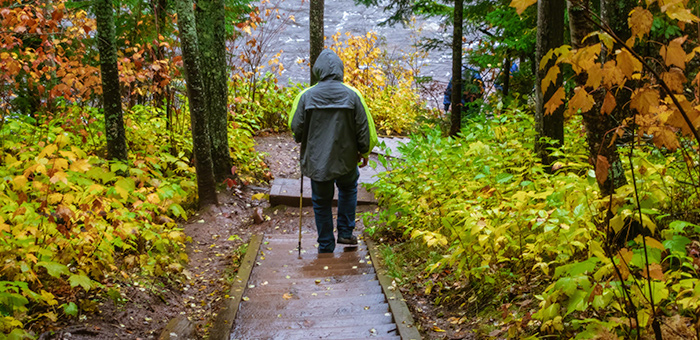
(206, 187)
(598, 125)
(160, 11)
(316, 36)
(111, 91)
(457, 82)
(506, 75)
(211, 30)
(550, 34)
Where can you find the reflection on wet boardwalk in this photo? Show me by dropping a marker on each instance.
(317, 296)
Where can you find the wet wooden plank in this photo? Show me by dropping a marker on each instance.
(402, 316)
(224, 321)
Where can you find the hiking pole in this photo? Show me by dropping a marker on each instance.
(301, 201)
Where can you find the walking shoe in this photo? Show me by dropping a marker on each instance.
(347, 240)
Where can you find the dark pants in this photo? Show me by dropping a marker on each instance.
(322, 198)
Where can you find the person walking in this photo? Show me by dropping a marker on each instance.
(472, 89)
(336, 131)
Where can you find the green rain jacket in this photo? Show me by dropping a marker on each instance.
(337, 122)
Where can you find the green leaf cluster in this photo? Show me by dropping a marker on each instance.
(499, 223)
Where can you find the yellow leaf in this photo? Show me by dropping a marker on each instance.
(258, 196)
(153, 198)
(48, 150)
(287, 296)
(438, 329)
(551, 77)
(675, 79)
(585, 58)
(48, 298)
(640, 21)
(608, 104)
(62, 139)
(555, 101)
(19, 182)
(68, 154)
(653, 243)
(59, 176)
(595, 77)
(628, 64)
(60, 164)
(676, 10)
(54, 198)
(81, 165)
(4, 227)
(674, 55)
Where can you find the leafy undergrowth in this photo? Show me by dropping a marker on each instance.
(497, 238)
(73, 224)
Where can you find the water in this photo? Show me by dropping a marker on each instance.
(343, 16)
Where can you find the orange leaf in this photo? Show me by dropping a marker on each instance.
(555, 101)
(581, 100)
(665, 137)
(612, 76)
(674, 55)
(601, 169)
(640, 21)
(675, 79)
(521, 5)
(595, 77)
(628, 64)
(59, 176)
(645, 101)
(608, 104)
(655, 271)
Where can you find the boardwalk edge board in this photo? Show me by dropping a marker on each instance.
(224, 321)
(397, 305)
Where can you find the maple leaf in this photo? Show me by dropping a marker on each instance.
(612, 75)
(80, 165)
(674, 55)
(555, 101)
(581, 100)
(59, 176)
(608, 104)
(645, 100)
(640, 22)
(595, 77)
(628, 64)
(665, 137)
(675, 79)
(676, 10)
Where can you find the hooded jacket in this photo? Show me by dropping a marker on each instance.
(332, 122)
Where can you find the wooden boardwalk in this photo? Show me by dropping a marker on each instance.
(318, 296)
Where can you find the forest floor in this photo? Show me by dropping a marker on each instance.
(147, 304)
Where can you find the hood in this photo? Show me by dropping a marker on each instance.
(328, 66)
